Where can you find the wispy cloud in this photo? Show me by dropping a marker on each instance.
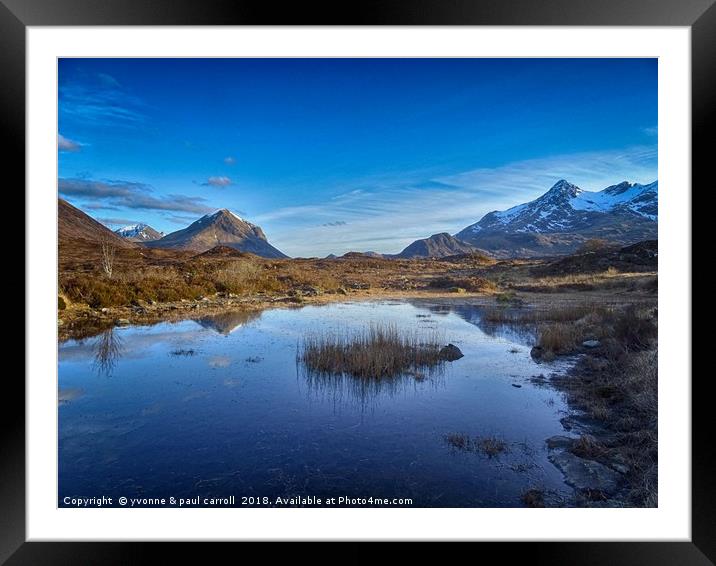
(386, 215)
(217, 182)
(118, 221)
(230, 160)
(113, 194)
(651, 131)
(66, 144)
(99, 99)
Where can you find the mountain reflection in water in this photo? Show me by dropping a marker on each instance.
(218, 407)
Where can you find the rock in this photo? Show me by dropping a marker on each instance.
(122, 321)
(450, 353)
(516, 385)
(457, 290)
(342, 291)
(586, 475)
(619, 464)
(307, 291)
(582, 424)
(621, 468)
(559, 441)
(537, 352)
(591, 343)
(60, 322)
(104, 309)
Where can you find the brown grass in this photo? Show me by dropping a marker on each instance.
(459, 441)
(533, 498)
(490, 446)
(618, 386)
(610, 278)
(375, 352)
(558, 338)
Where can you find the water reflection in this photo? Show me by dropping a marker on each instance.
(225, 323)
(522, 333)
(237, 417)
(349, 391)
(478, 315)
(108, 348)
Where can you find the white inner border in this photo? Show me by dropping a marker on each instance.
(671, 521)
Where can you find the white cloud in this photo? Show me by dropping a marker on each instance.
(218, 181)
(66, 144)
(386, 216)
(230, 160)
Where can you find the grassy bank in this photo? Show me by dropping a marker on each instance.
(614, 383)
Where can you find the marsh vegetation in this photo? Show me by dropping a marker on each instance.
(377, 351)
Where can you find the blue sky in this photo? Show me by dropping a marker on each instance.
(333, 155)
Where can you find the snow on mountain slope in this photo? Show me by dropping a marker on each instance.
(566, 215)
(139, 233)
(562, 206)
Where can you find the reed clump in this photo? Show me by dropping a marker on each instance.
(374, 352)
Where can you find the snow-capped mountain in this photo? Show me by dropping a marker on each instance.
(565, 216)
(139, 233)
(222, 228)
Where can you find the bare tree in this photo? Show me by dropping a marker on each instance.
(108, 251)
(108, 349)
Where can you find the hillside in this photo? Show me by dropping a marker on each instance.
(74, 226)
(437, 245)
(223, 228)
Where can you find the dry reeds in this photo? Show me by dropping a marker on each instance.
(375, 352)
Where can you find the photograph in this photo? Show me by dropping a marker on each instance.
(357, 282)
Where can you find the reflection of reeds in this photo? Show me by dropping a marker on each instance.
(372, 353)
(108, 350)
(566, 313)
(345, 390)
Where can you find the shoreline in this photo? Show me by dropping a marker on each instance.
(77, 321)
(599, 479)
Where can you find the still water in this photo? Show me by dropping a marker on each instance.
(220, 407)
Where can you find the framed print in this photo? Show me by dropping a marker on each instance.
(403, 277)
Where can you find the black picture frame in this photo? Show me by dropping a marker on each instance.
(16, 15)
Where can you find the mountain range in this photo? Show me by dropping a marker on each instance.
(558, 222)
(563, 218)
(139, 233)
